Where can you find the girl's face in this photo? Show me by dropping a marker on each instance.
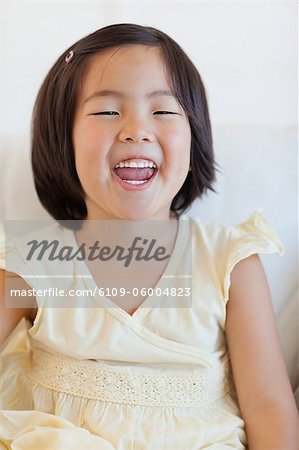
(127, 116)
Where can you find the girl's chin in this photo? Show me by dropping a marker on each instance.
(124, 209)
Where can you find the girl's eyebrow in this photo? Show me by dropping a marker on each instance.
(112, 93)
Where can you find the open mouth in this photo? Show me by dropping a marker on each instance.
(135, 172)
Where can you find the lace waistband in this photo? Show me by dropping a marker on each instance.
(91, 380)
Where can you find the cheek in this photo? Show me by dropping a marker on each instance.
(91, 146)
(176, 141)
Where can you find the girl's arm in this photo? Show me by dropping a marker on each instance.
(264, 392)
(9, 317)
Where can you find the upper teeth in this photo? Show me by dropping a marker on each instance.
(136, 163)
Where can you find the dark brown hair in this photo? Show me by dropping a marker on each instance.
(55, 176)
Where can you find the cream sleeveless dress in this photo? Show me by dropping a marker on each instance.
(96, 377)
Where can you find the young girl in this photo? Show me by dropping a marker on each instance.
(122, 140)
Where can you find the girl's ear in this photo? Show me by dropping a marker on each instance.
(190, 169)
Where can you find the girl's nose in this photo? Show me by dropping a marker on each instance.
(135, 131)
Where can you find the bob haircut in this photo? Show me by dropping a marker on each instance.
(53, 162)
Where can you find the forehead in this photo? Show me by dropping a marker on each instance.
(126, 67)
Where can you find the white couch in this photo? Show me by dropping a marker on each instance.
(259, 169)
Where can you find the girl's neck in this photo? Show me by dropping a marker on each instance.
(123, 232)
(106, 217)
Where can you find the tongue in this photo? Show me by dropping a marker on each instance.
(132, 173)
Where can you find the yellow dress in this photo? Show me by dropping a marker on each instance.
(94, 377)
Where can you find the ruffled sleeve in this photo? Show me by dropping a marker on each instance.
(252, 236)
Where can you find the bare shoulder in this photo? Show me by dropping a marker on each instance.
(9, 317)
(253, 341)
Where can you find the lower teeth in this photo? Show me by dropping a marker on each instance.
(135, 182)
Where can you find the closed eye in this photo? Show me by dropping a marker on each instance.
(164, 112)
(105, 113)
